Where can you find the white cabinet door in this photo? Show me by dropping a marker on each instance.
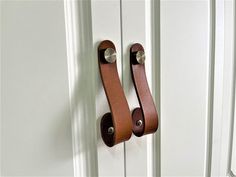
(177, 71)
(190, 65)
(35, 112)
(52, 97)
(89, 23)
(184, 87)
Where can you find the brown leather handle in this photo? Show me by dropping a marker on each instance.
(145, 118)
(116, 126)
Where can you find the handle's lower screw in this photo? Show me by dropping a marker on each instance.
(139, 123)
(110, 130)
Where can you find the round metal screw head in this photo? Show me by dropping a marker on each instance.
(139, 123)
(140, 57)
(110, 55)
(110, 130)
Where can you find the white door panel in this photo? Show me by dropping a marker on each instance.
(106, 26)
(35, 119)
(89, 23)
(227, 143)
(221, 152)
(184, 73)
(233, 144)
(234, 150)
(133, 25)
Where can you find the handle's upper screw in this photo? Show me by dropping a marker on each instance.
(110, 55)
(140, 57)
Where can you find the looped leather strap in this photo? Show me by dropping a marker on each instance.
(145, 118)
(116, 126)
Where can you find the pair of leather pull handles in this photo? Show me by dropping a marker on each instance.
(117, 126)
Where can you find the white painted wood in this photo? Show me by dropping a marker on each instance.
(51, 84)
(81, 69)
(88, 23)
(106, 25)
(184, 86)
(153, 40)
(233, 158)
(223, 160)
(218, 54)
(227, 94)
(35, 119)
(134, 31)
(233, 119)
(141, 23)
(210, 88)
(230, 70)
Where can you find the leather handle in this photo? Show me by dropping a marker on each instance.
(145, 118)
(116, 126)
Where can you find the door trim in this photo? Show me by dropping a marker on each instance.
(231, 174)
(153, 49)
(79, 42)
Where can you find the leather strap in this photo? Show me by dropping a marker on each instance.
(119, 118)
(147, 112)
